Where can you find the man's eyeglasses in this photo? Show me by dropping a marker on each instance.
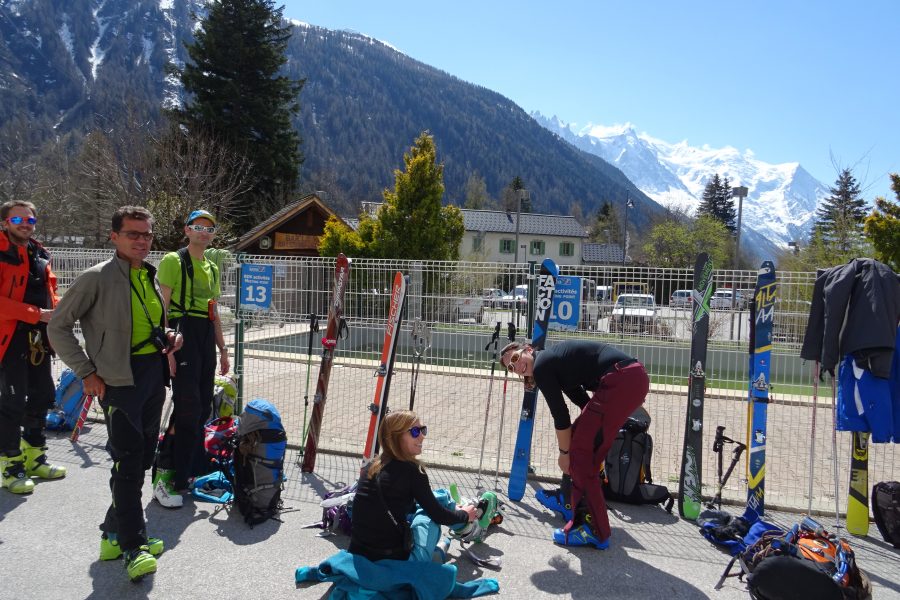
(202, 228)
(419, 430)
(138, 235)
(20, 220)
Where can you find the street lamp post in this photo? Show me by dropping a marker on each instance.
(629, 203)
(741, 193)
(520, 197)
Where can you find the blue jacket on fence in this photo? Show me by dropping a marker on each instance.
(869, 403)
(392, 579)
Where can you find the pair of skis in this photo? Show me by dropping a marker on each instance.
(546, 286)
(378, 408)
(762, 312)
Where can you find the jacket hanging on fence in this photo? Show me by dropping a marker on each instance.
(869, 403)
(855, 310)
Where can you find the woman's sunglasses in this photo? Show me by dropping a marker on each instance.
(513, 359)
(20, 220)
(418, 430)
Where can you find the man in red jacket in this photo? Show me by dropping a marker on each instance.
(27, 298)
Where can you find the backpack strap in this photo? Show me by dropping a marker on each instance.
(187, 273)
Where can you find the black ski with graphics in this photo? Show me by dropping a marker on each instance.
(689, 486)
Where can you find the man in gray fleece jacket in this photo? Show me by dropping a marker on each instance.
(120, 308)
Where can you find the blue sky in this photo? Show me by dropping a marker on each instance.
(814, 82)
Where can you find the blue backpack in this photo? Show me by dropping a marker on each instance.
(259, 462)
(67, 403)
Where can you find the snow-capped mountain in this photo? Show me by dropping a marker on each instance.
(782, 199)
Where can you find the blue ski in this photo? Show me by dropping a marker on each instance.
(762, 313)
(543, 307)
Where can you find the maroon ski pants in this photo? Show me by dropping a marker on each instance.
(619, 393)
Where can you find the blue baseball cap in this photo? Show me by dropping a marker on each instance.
(198, 214)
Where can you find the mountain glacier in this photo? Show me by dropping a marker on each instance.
(780, 206)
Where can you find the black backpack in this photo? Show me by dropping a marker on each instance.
(886, 507)
(259, 462)
(626, 473)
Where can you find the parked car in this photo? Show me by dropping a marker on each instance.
(517, 297)
(491, 297)
(633, 313)
(722, 300)
(681, 299)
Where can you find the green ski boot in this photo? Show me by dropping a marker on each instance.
(139, 563)
(15, 479)
(110, 549)
(488, 507)
(36, 464)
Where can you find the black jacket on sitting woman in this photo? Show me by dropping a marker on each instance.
(402, 482)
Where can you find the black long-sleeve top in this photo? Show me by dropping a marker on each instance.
(402, 484)
(572, 368)
(855, 310)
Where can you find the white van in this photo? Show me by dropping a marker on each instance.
(681, 299)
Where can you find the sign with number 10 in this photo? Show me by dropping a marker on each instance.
(566, 303)
(256, 287)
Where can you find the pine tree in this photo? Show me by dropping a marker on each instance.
(725, 211)
(717, 202)
(708, 202)
(511, 195)
(235, 93)
(840, 217)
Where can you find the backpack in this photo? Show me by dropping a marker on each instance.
(224, 396)
(806, 562)
(259, 462)
(337, 510)
(626, 473)
(187, 273)
(67, 402)
(886, 507)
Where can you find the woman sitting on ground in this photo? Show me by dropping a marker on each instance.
(390, 488)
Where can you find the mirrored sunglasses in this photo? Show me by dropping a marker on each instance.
(20, 220)
(202, 228)
(138, 235)
(417, 431)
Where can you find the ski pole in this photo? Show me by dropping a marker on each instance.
(511, 336)
(812, 436)
(487, 409)
(735, 459)
(85, 408)
(421, 342)
(834, 450)
(313, 328)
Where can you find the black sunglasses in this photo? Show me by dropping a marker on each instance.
(419, 430)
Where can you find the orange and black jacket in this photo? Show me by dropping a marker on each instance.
(14, 269)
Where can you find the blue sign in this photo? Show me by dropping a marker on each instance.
(256, 287)
(566, 303)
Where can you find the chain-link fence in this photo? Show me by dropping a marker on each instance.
(461, 302)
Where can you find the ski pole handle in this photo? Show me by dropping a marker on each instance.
(494, 337)
(717, 443)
